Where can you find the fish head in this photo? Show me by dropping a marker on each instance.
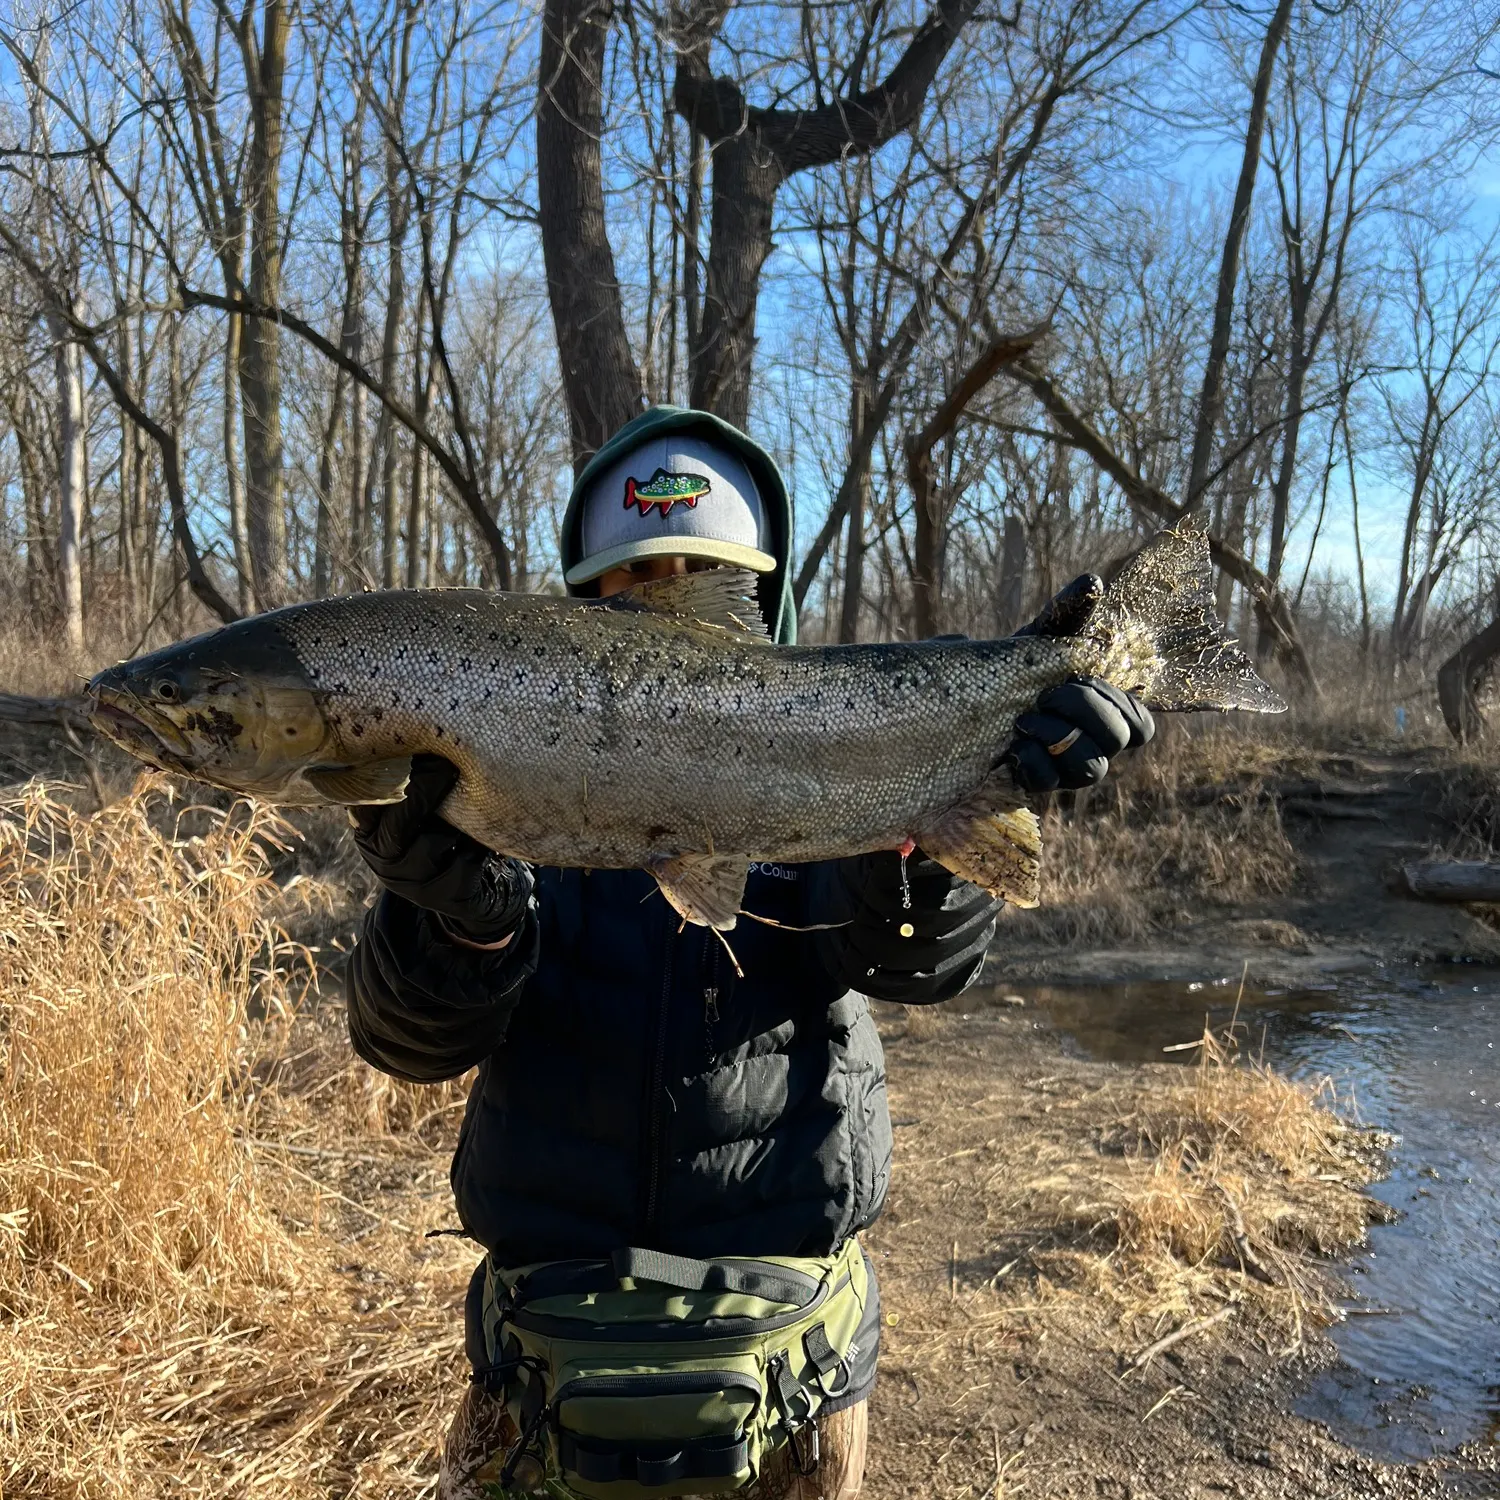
(234, 708)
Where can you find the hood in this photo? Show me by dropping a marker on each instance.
(774, 589)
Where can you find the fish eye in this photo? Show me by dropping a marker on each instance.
(165, 689)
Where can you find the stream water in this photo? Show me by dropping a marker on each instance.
(1417, 1053)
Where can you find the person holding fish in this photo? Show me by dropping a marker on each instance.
(674, 1138)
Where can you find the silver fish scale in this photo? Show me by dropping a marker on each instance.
(587, 735)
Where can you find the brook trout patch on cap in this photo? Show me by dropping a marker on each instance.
(665, 490)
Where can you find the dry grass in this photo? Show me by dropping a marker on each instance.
(213, 1272)
(1188, 822)
(1219, 1187)
(196, 1295)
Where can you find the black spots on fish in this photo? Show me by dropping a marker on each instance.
(555, 690)
(432, 658)
(453, 704)
(520, 675)
(541, 651)
(465, 664)
(656, 833)
(377, 713)
(291, 731)
(358, 731)
(849, 704)
(673, 710)
(553, 738)
(400, 653)
(418, 702)
(438, 730)
(494, 635)
(216, 724)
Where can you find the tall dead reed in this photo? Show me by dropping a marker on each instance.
(135, 961)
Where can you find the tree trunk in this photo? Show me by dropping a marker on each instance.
(1458, 680)
(745, 179)
(234, 473)
(1211, 398)
(390, 351)
(600, 381)
(859, 508)
(260, 359)
(72, 422)
(1011, 595)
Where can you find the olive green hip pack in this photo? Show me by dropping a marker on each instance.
(654, 1375)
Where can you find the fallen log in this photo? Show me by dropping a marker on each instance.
(1454, 879)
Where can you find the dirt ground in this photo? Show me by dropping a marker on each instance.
(987, 1389)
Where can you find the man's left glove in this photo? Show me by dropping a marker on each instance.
(1066, 741)
(915, 943)
(478, 894)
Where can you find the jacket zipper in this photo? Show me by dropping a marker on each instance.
(654, 1114)
(710, 963)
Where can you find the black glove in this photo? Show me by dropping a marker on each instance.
(1090, 720)
(416, 855)
(915, 954)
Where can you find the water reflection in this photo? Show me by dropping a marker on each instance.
(1417, 1053)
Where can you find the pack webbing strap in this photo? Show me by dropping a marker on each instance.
(819, 1351)
(711, 1276)
(607, 1463)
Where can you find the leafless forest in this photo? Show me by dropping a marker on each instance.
(312, 297)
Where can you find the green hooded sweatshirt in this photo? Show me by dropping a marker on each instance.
(773, 590)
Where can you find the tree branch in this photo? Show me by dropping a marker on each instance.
(1270, 604)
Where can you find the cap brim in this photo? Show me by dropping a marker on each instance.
(732, 554)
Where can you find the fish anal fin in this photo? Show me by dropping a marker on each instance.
(992, 841)
(375, 781)
(723, 597)
(705, 889)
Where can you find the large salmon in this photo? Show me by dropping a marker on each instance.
(661, 729)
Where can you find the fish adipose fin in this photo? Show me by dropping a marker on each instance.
(723, 597)
(992, 839)
(376, 781)
(706, 889)
(1161, 610)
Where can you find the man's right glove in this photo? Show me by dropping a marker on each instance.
(480, 896)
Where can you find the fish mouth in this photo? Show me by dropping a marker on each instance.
(121, 717)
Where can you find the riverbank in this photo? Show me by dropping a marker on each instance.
(1013, 1365)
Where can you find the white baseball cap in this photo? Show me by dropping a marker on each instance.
(673, 496)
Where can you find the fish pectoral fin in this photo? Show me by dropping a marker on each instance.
(705, 889)
(992, 839)
(375, 781)
(722, 597)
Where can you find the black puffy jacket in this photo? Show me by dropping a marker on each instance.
(633, 1090)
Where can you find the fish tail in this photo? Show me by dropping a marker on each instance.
(1161, 610)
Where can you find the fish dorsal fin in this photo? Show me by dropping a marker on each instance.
(375, 781)
(706, 889)
(723, 597)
